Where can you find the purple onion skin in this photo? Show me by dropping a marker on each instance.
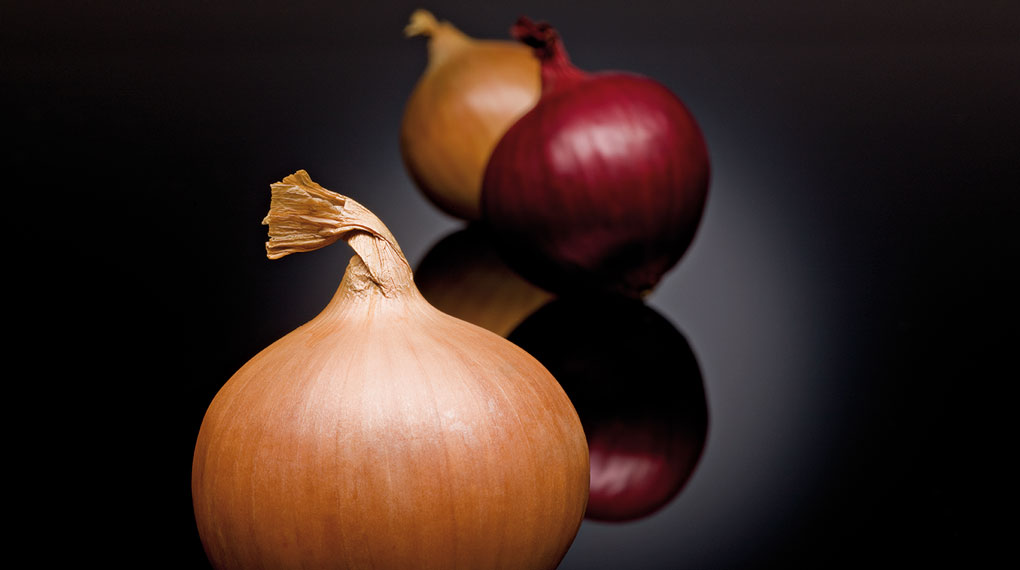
(637, 387)
(601, 186)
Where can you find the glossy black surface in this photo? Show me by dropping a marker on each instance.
(850, 295)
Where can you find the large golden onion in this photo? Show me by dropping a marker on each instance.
(384, 434)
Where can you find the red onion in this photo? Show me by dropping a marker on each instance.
(601, 185)
(637, 386)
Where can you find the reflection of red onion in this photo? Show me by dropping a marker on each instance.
(637, 387)
(637, 466)
(601, 185)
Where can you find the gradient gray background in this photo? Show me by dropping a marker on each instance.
(850, 294)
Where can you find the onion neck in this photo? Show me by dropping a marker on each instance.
(444, 37)
(304, 216)
(557, 70)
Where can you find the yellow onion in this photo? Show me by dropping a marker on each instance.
(384, 433)
(469, 94)
(463, 275)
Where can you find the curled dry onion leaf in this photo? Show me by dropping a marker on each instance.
(384, 433)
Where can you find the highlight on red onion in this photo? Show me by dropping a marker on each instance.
(602, 184)
(637, 386)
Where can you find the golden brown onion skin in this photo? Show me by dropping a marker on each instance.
(383, 433)
(390, 442)
(469, 94)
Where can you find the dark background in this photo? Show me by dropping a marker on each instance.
(850, 295)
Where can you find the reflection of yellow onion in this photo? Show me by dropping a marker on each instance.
(638, 388)
(383, 433)
(462, 275)
(470, 92)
